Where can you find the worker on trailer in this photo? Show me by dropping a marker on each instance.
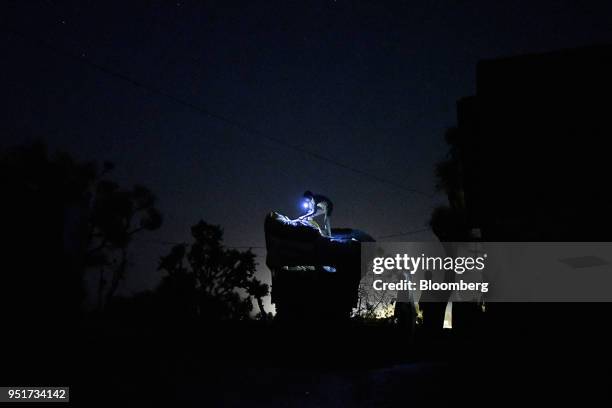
(318, 205)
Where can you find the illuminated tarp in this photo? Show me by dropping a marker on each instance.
(306, 265)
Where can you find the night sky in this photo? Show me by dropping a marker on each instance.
(371, 84)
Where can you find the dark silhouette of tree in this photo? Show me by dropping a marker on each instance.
(116, 216)
(177, 289)
(67, 218)
(259, 290)
(449, 222)
(210, 280)
(44, 201)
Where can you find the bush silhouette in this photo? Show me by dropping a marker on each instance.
(208, 280)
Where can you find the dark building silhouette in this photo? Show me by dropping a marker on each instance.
(534, 145)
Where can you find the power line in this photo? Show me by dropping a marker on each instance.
(206, 112)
